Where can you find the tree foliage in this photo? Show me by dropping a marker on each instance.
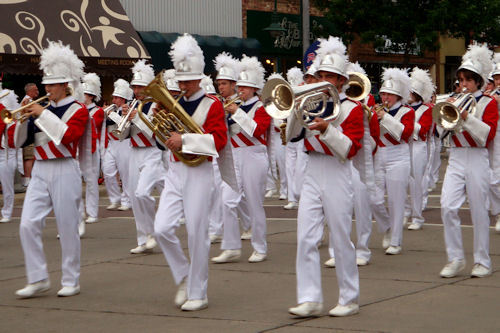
(405, 22)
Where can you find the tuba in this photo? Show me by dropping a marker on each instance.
(359, 87)
(447, 114)
(280, 100)
(172, 119)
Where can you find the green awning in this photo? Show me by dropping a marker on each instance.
(158, 45)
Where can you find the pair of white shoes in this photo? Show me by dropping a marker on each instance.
(37, 288)
(146, 247)
(454, 267)
(185, 304)
(314, 309)
(117, 206)
(227, 256)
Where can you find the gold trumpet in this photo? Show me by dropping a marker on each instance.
(8, 116)
(236, 100)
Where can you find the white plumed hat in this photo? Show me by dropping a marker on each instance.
(396, 81)
(332, 56)
(227, 67)
(188, 59)
(496, 61)
(170, 81)
(295, 76)
(251, 74)
(143, 73)
(313, 68)
(122, 89)
(421, 84)
(355, 67)
(92, 85)
(477, 59)
(61, 65)
(207, 85)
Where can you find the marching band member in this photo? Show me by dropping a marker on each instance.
(421, 93)
(468, 168)
(392, 160)
(327, 192)
(249, 124)
(363, 181)
(8, 157)
(295, 157)
(146, 168)
(56, 178)
(92, 94)
(189, 189)
(276, 153)
(116, 157)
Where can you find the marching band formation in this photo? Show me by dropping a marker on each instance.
(317, 140)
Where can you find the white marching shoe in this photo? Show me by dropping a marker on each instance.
(113, 206)
(181, 295)
(270, 193)
(362, 262)
(452, 268)
(283, 197)
(386, 241)
(68, 291)
(480, 271)
(195, 304)
(330, 263)
(123, 208)
(307, 309)
(344, 310)
(246, 235)
(5, 220)
(415, 226)
(393, 250)
(227, 256)
(81, 228)
(91, 219)
(34, 289)
(257, 257)
(215, 238)
(151, 242)
(291, 205)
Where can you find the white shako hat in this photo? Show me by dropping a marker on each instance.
(123, 90)
(477, 59)
(143, 73)
(496, 61)
(421, 84)
(332, 56)
(312, 70)
(170, 81)
(61, 65)
(396, 81)
(92, 85)
(251, 73)
(227, 67)
(295, 76)
(207, 85)
(188, 59)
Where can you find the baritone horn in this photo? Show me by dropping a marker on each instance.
(173, 118)
(8, 116)
(307, 101)
(448, 114)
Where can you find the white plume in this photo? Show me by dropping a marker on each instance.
(295, 76)
(253, 64)
(145, 69)
(169, 74)
(275, 76)
(400, 76)
(480, 56)
(10, 101)
(355, 67)
(331, 45)
(93, 82)
(184, 48)
(59, 59)
(422, 79)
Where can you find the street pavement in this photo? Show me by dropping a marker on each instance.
(121, 292)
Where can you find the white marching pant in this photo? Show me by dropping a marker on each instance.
(296, 163)
(116, 160)
(277, 164)
(215, 217)
(327, 192)
(8, 165)
(91, 178)
(231, 238)
(392, 170)
(417, 182)
(436, 162)
(467, 174)
(494, 193)
(251, 164)
(146, 172)
(55, 185)
(188, 192)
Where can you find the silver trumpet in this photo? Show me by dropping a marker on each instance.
(448, 114)
(125, 121)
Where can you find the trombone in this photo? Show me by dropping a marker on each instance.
(8, 116)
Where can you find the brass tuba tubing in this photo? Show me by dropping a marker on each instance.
(7, 116)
